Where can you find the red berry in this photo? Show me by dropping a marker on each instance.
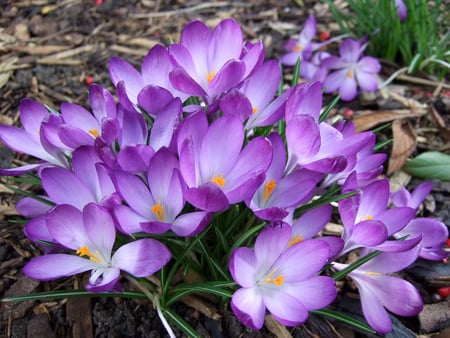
(444, 291)
(88, 80)
(323, 36)
(98, 2)
(348, 113)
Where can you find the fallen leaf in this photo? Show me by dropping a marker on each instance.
(404, 143)
(366, 120)
(431, 164)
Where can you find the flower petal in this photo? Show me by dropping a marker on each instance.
(248, 306)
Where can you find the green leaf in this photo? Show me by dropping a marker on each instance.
(214, 288)
(180, 323)
(72, 294)
(432, 164)
(345, 319)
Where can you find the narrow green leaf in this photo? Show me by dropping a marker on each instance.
(345, 319)
(180, 323)
(214, 288)
(323, 116)
(432, 164)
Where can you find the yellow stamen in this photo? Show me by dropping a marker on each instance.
(295, 240)
(297, 48)
(268, 189)
(210, 76)
(84, 251)
(350, 74)
(277, 281)
(370, 273)
(219, 180)
(93, 132)
(158, 210)
(369, 218)
(254, 110)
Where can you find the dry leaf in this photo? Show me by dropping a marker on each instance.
(276, 328)
(403, 144)
(366, 120)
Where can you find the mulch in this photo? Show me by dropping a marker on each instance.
(51, 51)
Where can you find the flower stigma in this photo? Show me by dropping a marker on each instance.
(294, 240)
(298, 48)
(210, 76)
(93, 132)
(277, 281)
(350, 74)
(158, 210)
(219, 180)
(84, 251)
(269, 187)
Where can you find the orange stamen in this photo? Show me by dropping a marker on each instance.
(158, 210)
(84, 251)
(210, 76)
(219, 180)
(277, 281)
(268, 189)
(93, 132)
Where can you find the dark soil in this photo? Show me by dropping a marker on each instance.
(51, 50)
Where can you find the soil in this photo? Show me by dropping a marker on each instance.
(52, 50)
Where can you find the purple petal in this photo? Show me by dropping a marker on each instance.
(303, 137)
(36, 230)
(154, 98)
(208, 197)
(216, 156)
(128, 220)
(306, 99)
(225, 43)
(191, 223)
(141, 258)
(100, 228)
(369, 64)
(334, 80)
(61, 185)
(312, 222)
(369, 233)
(30, 207)
(396, 219)
(32, 113)
(433, 231)
(65, 225)
(247, 304)
(285, 308)
(73, 137)
(55, 266)
(102, 102)
(155, 227)
(164, 126)
(390, 262)
(314, 293)
(106, 282)
(235, 102)
(135, 159)
(121, 70)
(399, 246)
(367, 81)
(243, 267)
(227, 77)
(269, 245)
(419, 194)
(348, 89)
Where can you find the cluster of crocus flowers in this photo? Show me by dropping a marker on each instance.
(199, 130)
(342, 74)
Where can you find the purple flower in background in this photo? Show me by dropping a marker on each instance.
(402, 11)
(91, 234)
(217, 170)
(351, 70)
(380, 290)
(434, 233)
(281, 278)
(367, 220)
(38, 137)
(303, 46)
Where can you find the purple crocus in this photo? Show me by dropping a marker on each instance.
(279, 192)
(380, 290)
(90, 234)
(280, 277)
(37, 138)
(208, 63)
(434, 232)
(402, 11)
(217, 169)
(351, 69)
(367, 220)
(302, 47)
(154, 206)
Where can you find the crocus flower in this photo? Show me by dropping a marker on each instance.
(155, 206)
(281, 278)
(217, 169)
(351, 70)
(209, 63)
(90, 235)
(81, 127)
(434, 233)
(303, 46)
(380, 290)
(316, 146)
(311, 223)
(402, 11)
(37, 138)
(280, 192)
(367, 220)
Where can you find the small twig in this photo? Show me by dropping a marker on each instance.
(425, 82)
(199, 7)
